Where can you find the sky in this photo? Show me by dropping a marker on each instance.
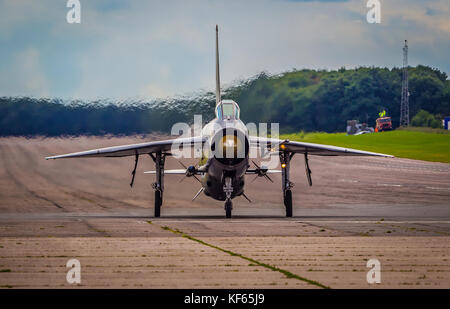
(157, 49)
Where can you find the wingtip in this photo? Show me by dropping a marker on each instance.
(53, 157)
(217, 28)
(386, 155)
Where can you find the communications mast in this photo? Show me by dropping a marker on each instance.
(404, 105)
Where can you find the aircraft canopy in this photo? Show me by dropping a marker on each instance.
(230, 110)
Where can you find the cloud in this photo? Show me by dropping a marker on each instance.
(318, 0)
(160, 48)
(111, 5)
(24, 75)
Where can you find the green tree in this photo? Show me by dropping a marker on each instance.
(425, 119)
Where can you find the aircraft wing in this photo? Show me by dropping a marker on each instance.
(136, 149)
(310, 148)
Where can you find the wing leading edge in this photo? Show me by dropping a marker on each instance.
(135, 149)
(310, 148)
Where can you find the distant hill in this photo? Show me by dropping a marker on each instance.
(308, 100)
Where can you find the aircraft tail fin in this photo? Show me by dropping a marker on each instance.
(217, 69)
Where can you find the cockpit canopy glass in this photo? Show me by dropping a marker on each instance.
(230, 110)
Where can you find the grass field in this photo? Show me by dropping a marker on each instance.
(412, 143)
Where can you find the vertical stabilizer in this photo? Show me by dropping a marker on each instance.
(217, 69)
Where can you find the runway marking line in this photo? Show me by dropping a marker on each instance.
(287, 273)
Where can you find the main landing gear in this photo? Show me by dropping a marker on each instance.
(158, 186)
(228, 189)
(286, 184)
(158, 203)
(288, 203)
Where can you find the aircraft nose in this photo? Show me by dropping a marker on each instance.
(230, 144)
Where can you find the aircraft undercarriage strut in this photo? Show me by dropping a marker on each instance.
(228, 189)
(286, 184)
(159, 159)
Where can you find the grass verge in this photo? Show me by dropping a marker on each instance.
(412, 143)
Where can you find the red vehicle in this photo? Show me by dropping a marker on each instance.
(383, 124)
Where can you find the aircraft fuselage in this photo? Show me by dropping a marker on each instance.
(223, 161)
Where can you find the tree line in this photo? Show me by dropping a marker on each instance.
(309, 100)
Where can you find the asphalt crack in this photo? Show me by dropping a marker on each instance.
(287, 273)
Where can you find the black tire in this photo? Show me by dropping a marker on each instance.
(158, 202)
(228, 208)
(288, 203)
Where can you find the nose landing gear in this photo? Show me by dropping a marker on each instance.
(228, 189)
(228, 208)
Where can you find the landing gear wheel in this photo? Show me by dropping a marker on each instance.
(158, 202)
(288, 203)
(228, 208)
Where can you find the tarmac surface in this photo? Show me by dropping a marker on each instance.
(359, 208)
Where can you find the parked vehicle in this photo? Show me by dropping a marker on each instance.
(383, 124)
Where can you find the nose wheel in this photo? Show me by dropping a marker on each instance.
(228, 189)
(228, 208)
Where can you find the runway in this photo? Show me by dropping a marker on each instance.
(393, 210)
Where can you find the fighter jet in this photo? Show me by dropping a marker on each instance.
(224, 144)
